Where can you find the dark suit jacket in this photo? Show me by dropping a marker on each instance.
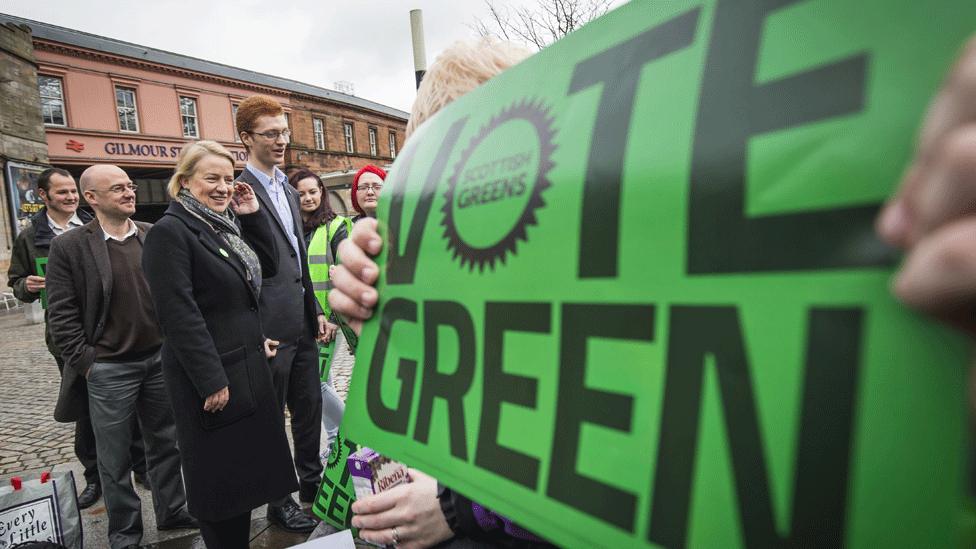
(238, 458)
(79, 287)
(281, 295)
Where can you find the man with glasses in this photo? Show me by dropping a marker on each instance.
(290, 313)
(58, 190)
(101, 316)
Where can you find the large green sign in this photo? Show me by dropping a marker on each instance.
(631, 294)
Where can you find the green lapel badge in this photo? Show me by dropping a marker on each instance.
(223, 252)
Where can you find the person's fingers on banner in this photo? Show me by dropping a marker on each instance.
(939, 275)
(355, 260)
(953, 105)
(350, 296)
(949, 188)
(953, 109)
(930, 215)
(366, 236)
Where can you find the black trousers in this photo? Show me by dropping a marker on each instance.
(85, 444)
(232, 533)
(295, 373)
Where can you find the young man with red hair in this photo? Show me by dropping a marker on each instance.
(289, 311)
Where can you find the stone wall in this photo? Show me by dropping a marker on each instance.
(21, 127)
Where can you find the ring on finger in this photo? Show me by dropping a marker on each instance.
(396, 537)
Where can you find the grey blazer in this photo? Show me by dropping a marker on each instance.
(79, 287)
(281, 295)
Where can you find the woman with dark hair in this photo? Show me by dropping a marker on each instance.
(323, 231)
(366, 187)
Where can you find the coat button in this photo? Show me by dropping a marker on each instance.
(293, 254)
(254, 309)
(298, 280)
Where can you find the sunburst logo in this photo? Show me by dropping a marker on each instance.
(497, 186)
(335, 452)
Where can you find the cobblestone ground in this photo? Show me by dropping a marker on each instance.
(29, 381)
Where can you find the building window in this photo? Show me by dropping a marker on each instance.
(347, 129)
(392, 144)
(233, 116)
(318, 128)
(287, 120)
(372, 141)
(125, 104)
(188, 112)
(52, 100)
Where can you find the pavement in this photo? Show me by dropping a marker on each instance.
(31, 442)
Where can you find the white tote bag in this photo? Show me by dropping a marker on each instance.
(42, 509)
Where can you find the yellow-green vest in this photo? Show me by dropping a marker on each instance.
(320, 257)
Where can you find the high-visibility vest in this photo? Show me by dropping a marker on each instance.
(319, 260)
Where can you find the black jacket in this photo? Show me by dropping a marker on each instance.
(79, 290)
(236, 459)
(32, 243)
(281, 294)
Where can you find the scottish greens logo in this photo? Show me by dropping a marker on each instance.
(497, 185)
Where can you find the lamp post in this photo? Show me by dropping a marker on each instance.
(419, 52)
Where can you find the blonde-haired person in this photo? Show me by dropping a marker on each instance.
(422, 513)
(459, 69)
(205, 275)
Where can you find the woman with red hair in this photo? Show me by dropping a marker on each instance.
(366, 187)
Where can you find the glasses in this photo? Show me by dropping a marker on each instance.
(366, 188)
(119, 189)
(273, 135)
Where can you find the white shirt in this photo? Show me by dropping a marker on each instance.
(132, 230)
(282, 208)
(75, 221)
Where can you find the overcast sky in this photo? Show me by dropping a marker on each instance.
(366, 42)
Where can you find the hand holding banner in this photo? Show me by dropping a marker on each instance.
(632, 296)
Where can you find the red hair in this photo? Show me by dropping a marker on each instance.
(355, 183)
(255, 107)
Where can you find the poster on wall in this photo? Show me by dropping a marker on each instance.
(25, 201)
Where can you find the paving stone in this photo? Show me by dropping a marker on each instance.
(31, 441)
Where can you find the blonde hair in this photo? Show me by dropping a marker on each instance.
(459, 69)
(189, 157)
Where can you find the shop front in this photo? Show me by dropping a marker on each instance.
(149, 161)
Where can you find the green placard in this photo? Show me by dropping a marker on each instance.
(326, 352)
(336, 494)
(40, 266)
(632, 296)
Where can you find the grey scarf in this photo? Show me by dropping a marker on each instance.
(228, 231)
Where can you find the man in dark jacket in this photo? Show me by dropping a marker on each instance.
(289, 312)
(59, 192)
(102, 317)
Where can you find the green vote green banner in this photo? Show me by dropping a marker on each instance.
(336, 494)
(631, 294)
(40, 265)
